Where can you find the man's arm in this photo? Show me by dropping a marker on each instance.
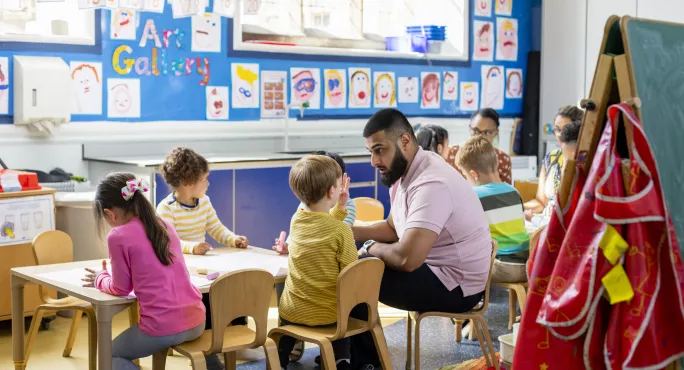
(409, 253)
(382, 231)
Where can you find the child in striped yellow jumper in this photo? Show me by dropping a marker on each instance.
(189, 210)
(321, 245)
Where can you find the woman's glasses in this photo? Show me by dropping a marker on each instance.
(477, 131)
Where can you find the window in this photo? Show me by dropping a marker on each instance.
(351, 27)
(59, 22)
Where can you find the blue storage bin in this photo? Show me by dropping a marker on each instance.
(408, 43)
(437, 33)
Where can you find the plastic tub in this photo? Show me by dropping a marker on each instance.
(507, 347)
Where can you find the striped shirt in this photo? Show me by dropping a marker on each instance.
(193, 222)
(320, 247)
(349, 220)
(504, 210)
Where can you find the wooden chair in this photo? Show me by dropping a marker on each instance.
(53, 247)
(517, 292)
(476, 317)
(245, 293)
(369, 209)
(358, 283)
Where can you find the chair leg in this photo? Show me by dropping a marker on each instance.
(159, 360)
(271, 352)
(409, 334)
(198, 362)
(522, 296)
(471, 331)
(511, 308)
(33, 331)
(381, 345)
(416, 340)
(230, 358)
(169, 352)
(475, 327)
(327, 355)
(92, 338)
(73, 330)
(458, 331)
(488, 338)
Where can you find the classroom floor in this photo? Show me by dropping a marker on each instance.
(438, 348)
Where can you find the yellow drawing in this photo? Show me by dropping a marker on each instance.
(385, 91)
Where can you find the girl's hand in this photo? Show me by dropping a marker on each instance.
(280, 248)
(91, 275)
(241, 242)
(528, 214)
(201, 248)
(344, 192)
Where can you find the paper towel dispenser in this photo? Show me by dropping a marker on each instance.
(42, 90)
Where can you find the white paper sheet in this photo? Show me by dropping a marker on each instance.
(239, 261)
(22, 219)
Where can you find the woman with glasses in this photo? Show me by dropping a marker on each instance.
(552, 165)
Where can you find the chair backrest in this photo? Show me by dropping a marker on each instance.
(534, 238)
(485, 301)
(358, 283)
(51, 247)
(369, 209)
(245, 293)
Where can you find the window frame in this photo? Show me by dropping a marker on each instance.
(238, 48)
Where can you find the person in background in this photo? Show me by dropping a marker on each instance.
(551, 170)
(433, 138)
(485, 122)
(503, 208)
(320, 248)
(146, 254)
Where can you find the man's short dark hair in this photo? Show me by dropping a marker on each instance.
(390, 120)
(487, 113)
(570, 132)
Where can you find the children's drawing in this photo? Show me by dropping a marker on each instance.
(359, 88)
(225, 8)
(483, 40)
(217, 102)
(408, 90)
(86, 85)
(25, 221)
(187, 8)
(429, 96)
(385, 90)
(273, 93)
(492, 87)
(155, 6)
(38, 219)
(4, 85)
(252, 7)
(110, 4)
(132, 4)
(450, 91)
(245, 85)
(483, 8)
(88, 4)
(7, 230)
(305, 84)
(206, 33)
(469, 96)
(514, 83)
(24, 218)
(503, 7)
(507, 41)
(123, 24)
(335, 81)
(123, 97)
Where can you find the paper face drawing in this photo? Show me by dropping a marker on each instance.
(225, 8)
(408, 90)
(492, 87)
(245, 85)
(273, 93)
(123, 98)
(4, 85)
(156, 6)
(429, 96)
(123, 24)
(217, 102)
(450, 91)
(507, 42)
(469, 96)
(305, 84)
(483, 41)
(335, 81)
(483, 8)
(206, 33)
(359, 88)
(86, 84)
(514, 83)
(385, 90)
(504, 7)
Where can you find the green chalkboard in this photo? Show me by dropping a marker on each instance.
(656, 53)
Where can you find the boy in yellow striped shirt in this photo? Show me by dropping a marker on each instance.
(321, 245)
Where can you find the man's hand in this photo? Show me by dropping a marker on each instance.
(241, 242)
(91, 275)
(201, 248)
(344, 192)
(528, 214)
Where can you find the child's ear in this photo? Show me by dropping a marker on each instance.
(474, 175)
(110, 214)
(331, 191)
(440, 147)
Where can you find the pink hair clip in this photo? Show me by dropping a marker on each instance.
(134, 186)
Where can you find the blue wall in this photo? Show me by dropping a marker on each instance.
(171, 97)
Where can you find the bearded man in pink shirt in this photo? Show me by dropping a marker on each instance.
(436, 243)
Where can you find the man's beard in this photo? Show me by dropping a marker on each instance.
(396, 170)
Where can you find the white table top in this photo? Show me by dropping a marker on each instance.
(32, 274)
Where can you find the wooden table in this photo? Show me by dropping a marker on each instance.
(105, 305)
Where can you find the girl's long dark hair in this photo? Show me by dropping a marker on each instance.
(431, 136)
(108, 196)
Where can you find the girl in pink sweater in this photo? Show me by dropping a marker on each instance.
(146, 257)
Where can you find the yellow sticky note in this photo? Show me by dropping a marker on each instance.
(613, 245)
(617, 285)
